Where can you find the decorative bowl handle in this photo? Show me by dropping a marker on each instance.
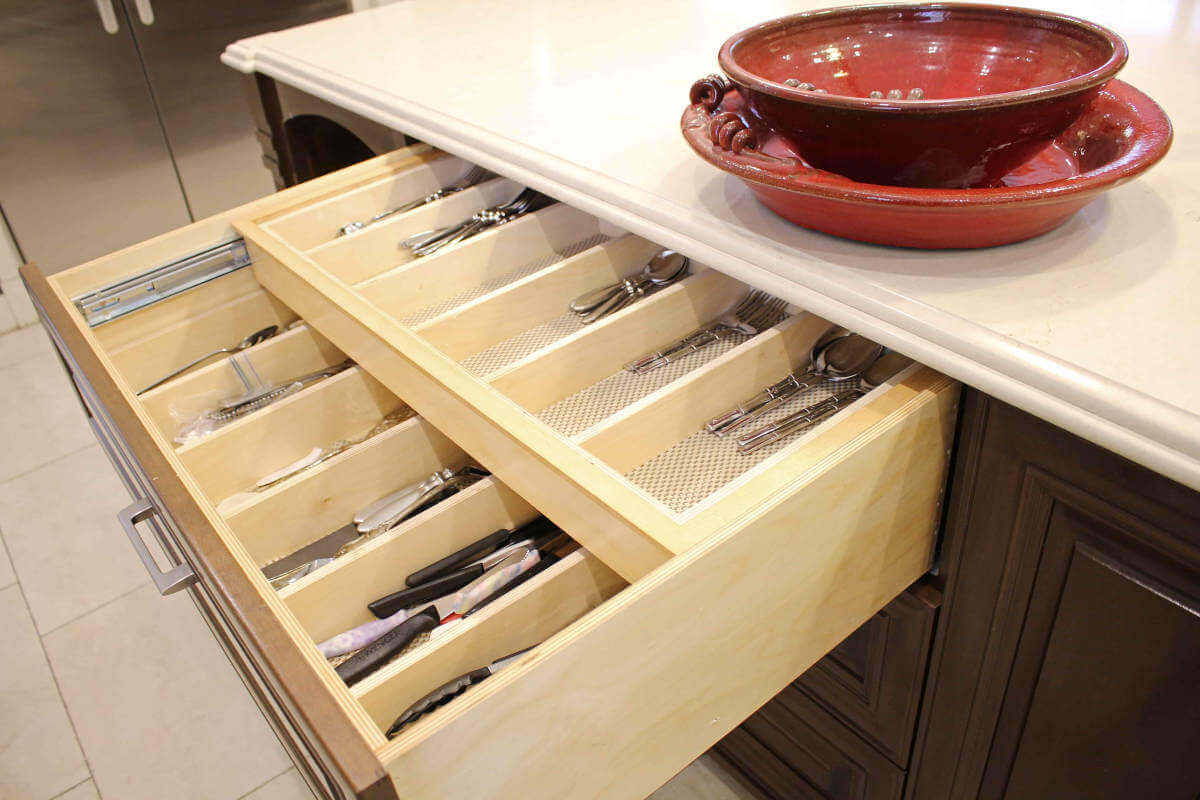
(728, 130)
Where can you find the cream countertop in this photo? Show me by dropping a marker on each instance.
(1093, 327)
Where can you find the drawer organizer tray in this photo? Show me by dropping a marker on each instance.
(706, 580)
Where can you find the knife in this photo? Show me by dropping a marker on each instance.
(450, 690)
(533, 530)
(444, 610)
(441, 585)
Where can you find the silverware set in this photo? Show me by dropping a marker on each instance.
(473, 177)
(756, 312)
(663, 269)
(838, 357)
(429, 242)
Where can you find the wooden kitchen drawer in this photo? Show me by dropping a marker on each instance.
(701, 590)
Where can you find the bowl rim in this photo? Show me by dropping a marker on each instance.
(1154, 137)
(1090, 79)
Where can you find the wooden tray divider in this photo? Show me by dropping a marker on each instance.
(294, 352)
(316, 502)
(599, 350)
(425, 282)
(373, 250)
(335, 598)
(526, 616)
(407, 179)
(233, 459)
(659, 420)
(536, 299)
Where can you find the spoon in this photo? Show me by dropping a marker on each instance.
(249, 341)
(664, 268)
(835, 359)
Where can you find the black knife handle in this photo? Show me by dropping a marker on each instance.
(438, 697)
(457, 559)
(432, 590)
(379, 652)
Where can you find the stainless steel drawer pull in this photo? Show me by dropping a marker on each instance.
(180, 577)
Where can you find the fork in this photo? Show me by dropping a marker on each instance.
(755, 313)
(475, 175)
(527, 201)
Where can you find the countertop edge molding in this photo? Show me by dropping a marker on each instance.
(1142, 428)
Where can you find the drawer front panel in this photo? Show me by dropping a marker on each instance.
(873, 680)
(802, 752)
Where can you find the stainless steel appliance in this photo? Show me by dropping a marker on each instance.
(120, 118)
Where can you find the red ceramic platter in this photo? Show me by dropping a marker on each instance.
(1120, 135)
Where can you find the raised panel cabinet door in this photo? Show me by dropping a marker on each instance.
(1067, 660)
(796, 750)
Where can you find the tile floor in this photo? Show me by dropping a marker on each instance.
(108, 690)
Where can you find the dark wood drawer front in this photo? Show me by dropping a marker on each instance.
(872, 681)
(796, 750)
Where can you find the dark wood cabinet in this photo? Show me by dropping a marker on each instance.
(1067, 660)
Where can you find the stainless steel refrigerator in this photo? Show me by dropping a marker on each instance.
(120, 123)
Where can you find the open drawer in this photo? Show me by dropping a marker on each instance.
(705, 582)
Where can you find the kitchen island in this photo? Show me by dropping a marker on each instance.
(930, 594)
(1091, 328)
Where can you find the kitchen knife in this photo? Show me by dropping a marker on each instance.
(383, 649)
(442, 584)
(444, 610)
(458, 558)
(450, 690)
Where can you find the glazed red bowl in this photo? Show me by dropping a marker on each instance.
(995, 86)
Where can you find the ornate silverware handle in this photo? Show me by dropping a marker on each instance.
(685, 346)
(754, 407)
(803, 418)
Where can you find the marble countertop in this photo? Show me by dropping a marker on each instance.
(1094, 327)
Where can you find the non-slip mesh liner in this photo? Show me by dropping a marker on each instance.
(513, 349)
(694, 468)
(437, 309)
(585, 408)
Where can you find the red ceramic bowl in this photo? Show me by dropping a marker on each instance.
(998, 85)
(1121, 135)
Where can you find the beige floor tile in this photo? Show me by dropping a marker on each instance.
(84, 791)
(8, 317)
(706, 778)
(68, 549)
(23, 344)
(7, 576)
(288, 786)
(18, 300)
(39, 757)
(42, 418)
(158, 709)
